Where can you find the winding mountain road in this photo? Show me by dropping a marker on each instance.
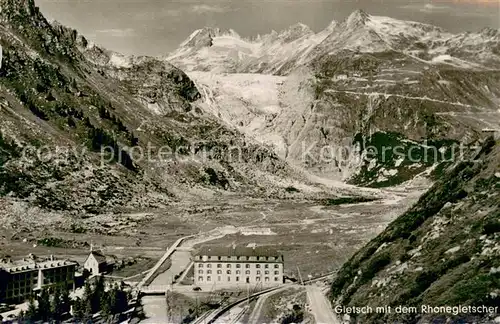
(320, 306)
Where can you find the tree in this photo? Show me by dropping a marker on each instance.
(114, 302)
(86, 303)
(71, 122)
(121, 301)
(107, 301)
(65, 301)
(78, 309)
(44, 305)
(87, 291)
(296, 316)
(134, 141)
(74, 85)
(98, 294)
(31, 314)
(140, 309)
(87, 310)
(21, 317)
(103, 113)
(56, 306)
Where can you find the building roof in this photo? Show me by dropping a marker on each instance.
(237, 251)
(98, 256)
(33, 263)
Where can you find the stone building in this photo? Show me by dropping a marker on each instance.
(237, 267)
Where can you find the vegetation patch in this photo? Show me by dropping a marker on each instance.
(296, 315)
(61, 243)
(391, 159)
(346, 200)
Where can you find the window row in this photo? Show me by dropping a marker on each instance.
(24, 276)
(20, 284)
(219, 278)
(238, 258)
(200, 271)
(229, 265)
(17, 292)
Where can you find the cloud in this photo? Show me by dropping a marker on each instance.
(427, 7)
(117, 32)
(155, 14)
(204, 8)
(457, 8)
(197, 9)
(494, 3)
(171, 12)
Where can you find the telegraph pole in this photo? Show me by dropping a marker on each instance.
(197, 307)
(166, 301)
(300, 277)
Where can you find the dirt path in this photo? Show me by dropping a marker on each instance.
(320, 306)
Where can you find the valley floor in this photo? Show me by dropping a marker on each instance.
(305, 231)
(313, 237)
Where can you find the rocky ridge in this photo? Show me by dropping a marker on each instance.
(74, 100)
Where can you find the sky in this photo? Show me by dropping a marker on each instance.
(157, 27)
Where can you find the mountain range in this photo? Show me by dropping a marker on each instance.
(217, 50)
(367, 79)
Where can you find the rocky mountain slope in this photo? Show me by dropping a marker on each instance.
(84, 129)
(365, 80)
(445, 251)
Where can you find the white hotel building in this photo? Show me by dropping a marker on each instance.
(237, 267)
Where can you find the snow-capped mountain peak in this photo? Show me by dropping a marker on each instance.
(358, 17)
(204, 37)
(490, 32)
(281, 52)
(295, 32)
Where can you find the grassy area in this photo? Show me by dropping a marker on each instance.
(132, 266)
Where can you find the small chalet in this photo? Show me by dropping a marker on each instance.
(96, 263)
